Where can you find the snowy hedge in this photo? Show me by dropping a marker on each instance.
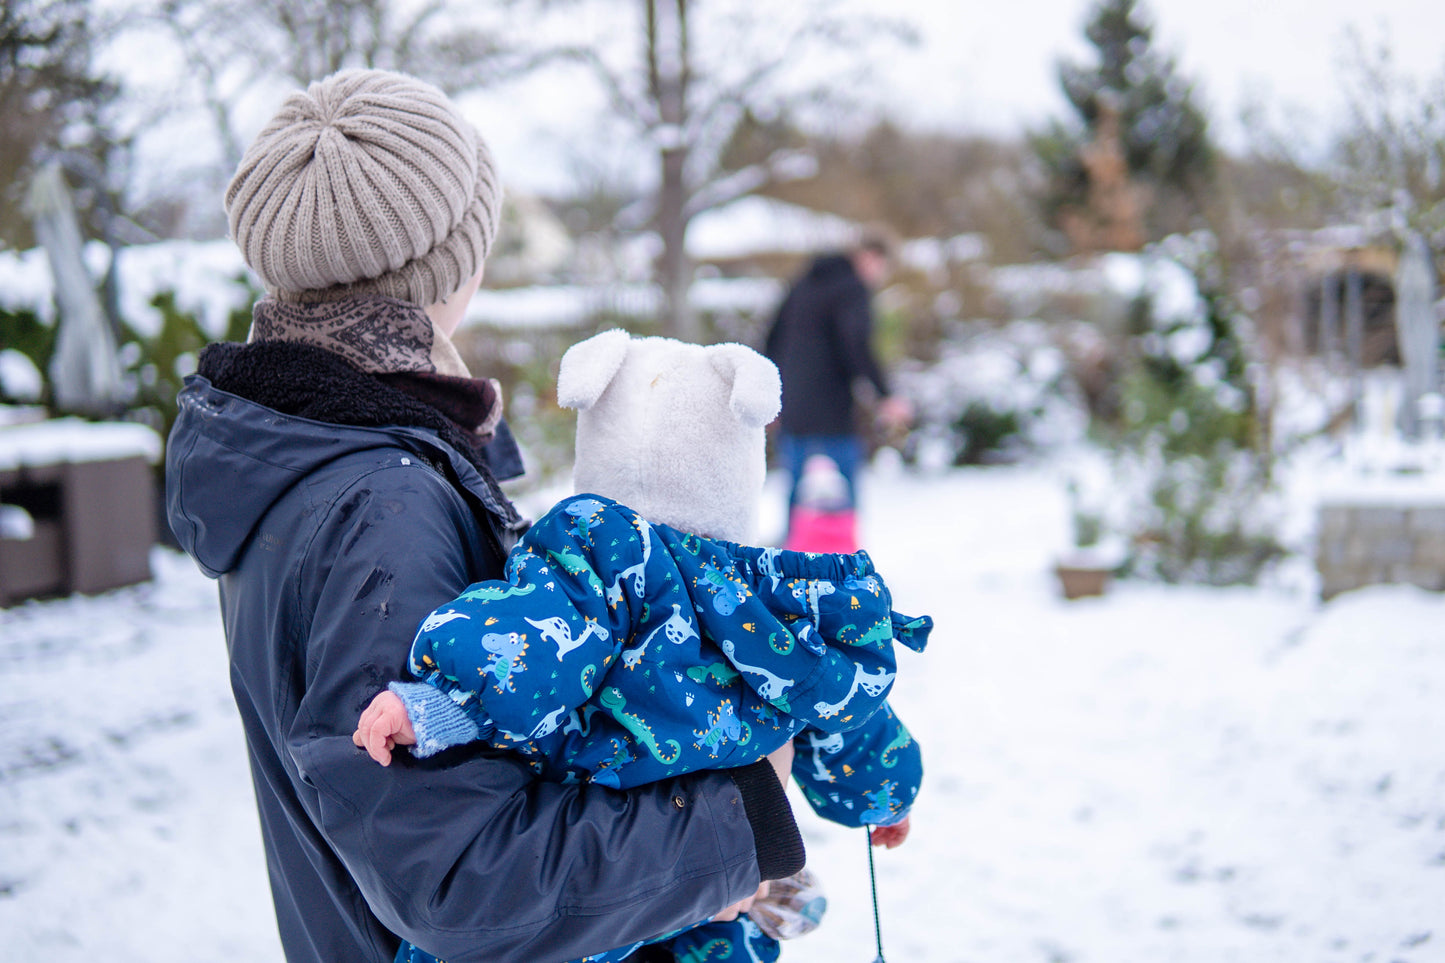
(1190, 485)
(995, 394)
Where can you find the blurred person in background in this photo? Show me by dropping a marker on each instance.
(821, 341)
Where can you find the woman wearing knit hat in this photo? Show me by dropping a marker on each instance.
(338, 474)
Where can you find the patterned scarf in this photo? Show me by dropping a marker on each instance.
(395, 340)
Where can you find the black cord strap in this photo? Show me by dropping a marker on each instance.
(873, 881)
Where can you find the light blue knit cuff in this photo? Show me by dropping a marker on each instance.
(439, 722)
(889, 819)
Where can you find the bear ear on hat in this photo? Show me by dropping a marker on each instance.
(588, 367)
(757, 392)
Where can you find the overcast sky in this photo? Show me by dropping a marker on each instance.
(991, 65)
(981, 65)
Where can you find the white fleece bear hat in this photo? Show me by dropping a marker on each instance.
(673, 430)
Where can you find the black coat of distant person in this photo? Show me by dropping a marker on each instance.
(821, 343)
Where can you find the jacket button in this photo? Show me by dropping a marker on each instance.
(678, 801)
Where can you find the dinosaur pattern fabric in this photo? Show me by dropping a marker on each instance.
(738, 941)
(623, 652)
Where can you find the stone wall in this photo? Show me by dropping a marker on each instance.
(1361, 543)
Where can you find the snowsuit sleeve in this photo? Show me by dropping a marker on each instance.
(867, 776)
(517, 656)
(856, 761)
(812, 634)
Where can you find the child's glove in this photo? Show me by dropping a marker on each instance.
(384, 726)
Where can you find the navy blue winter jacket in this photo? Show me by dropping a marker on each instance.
(331, 543)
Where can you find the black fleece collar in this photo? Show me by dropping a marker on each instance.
(310, 382)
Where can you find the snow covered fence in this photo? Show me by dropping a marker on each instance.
(210, 280)
(578, 305)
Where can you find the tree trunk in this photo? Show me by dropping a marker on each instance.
(674, 268)
(668, 75)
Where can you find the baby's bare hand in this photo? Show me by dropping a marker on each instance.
(384, 726)
(891, 836)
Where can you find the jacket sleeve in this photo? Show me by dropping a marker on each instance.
(853, 315)
(866, 776)
(467, 855)
(777, 331)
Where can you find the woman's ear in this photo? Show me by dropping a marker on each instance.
(588, 367)
(757, 392)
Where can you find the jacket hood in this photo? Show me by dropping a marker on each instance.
(229, 459)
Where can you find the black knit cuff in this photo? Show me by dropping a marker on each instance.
(775, 832)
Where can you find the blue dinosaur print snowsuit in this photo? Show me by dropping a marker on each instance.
(624, 652)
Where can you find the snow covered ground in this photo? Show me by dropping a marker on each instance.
(1177, 774)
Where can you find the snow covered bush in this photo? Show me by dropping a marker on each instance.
(172, 299)
(156, 364)
(1190, 455)
(25, 346)
(994, 395)
(20, 381)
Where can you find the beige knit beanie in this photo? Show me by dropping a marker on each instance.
(369, 182)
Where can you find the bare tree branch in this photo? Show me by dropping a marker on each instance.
(1391, 154)
(780, 167)
(638, 112)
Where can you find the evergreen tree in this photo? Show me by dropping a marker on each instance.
(1202, 505)
(1163, 134)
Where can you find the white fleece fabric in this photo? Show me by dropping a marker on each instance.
(671, 429)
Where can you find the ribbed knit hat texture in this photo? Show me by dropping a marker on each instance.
(368, 182)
